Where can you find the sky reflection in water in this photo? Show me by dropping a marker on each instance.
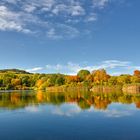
(54, 116)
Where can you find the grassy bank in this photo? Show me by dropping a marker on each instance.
(65, 88)
(127, 88)
(131, 88)
(106, 89)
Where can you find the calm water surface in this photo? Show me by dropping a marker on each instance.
(38, 115)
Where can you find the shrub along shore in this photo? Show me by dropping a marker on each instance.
(96, 81)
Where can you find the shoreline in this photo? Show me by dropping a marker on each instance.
(129, 88)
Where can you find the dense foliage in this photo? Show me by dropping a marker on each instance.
(19, 79)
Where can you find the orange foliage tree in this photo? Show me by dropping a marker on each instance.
(137, 73)
(100, 76)
(72, 79)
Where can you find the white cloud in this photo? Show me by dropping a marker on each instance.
(29, 8)
(70, 110)
(115, 113)
(74, 68)
(32, 109)
(38, 5)
(114, 67)
(71, 8)
(67, 32)
(113, 63)
(9, 20)
(68, 68)
(52, 34)
(116, 110)
(57, 19)
(67, 110)
(133, 67)
(92, 17)
(11, 1)
(35, 69)
(77, 10)
(100, 3)
(55, 67)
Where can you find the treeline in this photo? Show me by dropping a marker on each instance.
(17, 71)
(19, 79)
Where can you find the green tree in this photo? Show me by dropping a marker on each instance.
(112, 80)
(83, 74)
(135, 79)
(60, 81)
(124, 79)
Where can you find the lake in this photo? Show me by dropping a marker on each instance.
(40, 115)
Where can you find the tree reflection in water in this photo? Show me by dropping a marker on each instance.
(21, 99)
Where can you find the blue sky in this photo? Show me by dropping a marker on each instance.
(68, 35)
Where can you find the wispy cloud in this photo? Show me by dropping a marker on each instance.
(114, 67)
(67, 32)
(74, 9)
(114, 113)
(32, 109)
(91, 18)
(73, 68)
(55, 19)
(10, 21)
(113, 64)
(100, 3)
(34, 69)
(117, 111)
(68, 110)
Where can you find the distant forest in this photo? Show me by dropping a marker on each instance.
(14, 79)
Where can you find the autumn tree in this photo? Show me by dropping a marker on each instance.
(137, 73)
(136, 77)
(72, 79)
(16, 82)
(100, 76)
